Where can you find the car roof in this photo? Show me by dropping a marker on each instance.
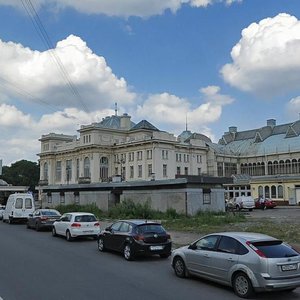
(79, 213)
(140, 221)
(248, 236)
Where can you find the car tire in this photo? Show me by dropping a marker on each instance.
(37, 226)
(101, 246)
(27, 225)
(242, 285)
(10, 221)
(127, 252)
(68, 236)
(165, 255)
(54, 231)
(179, 267)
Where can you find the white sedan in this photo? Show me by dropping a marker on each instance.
(76, 224)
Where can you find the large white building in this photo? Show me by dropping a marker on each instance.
(118, 148)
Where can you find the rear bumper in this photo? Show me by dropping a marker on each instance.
(149, 249)
(273, 284)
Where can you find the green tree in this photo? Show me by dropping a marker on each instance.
(22, 172)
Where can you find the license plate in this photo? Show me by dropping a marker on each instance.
(153, 248)
(87, 231)
(289, 267)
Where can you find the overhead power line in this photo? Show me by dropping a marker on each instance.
(38, 25)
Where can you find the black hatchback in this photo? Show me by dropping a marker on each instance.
(136, 237)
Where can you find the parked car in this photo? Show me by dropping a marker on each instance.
(76, 224)
(243, 202)
(2, 207)
(42, 219)
(268, 203)
(18, 207)
(248, 262)
(136, 237)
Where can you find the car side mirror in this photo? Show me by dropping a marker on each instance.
(193, 247)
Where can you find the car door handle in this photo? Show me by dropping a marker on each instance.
(230, 259)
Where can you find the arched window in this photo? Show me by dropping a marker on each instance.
(250, 169)
(270, 168)
(280, 191)
(294, 166)
(260, 191)
(86, 167)
(273, 191)
(263, 172)
(281, 167)
(288, 166)
(267, 192)
(45, 175)
(103, 168)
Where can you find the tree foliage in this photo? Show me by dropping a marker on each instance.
(23, 172)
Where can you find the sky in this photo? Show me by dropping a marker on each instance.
(204, 64)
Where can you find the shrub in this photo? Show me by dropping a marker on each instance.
(91, 208)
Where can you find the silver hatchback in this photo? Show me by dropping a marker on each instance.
(249, 262)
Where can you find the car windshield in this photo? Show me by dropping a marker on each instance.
(50, 213)
(85, 218)
(147, 228)
(275, 249)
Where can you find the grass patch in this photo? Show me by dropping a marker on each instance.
(91, 208)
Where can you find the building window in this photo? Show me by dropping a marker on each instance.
(131, 156)
(260, 191)
(68, 170)
(139, 155)
(206, 198)
(45, 171)
(220, 169)
(58, 171)
(140, 171)
(131, 172)
(280, 191)
(165, 171)
(178, 157)
(199, 171)
(123, 157)
(164, 154)
(186, 171)
(178, 171)
(199, 159)
(104, 168)
(149, 170)
(86, 167)
(149, 154)
(273, 191)
(46, 147)
(186, 158)
(49, 197)
(267, 192)
(76, 198)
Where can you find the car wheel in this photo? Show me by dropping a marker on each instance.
(179, 267)
(128, 253)
(10, 221)
(101, 246)
(37, 226)
(165, 255)
(54, 231)
(68, 236)
(242, 285)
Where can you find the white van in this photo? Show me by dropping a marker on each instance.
(244, 202)
(18, 207)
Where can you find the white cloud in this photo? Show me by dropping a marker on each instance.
(266, 59)
(121, 8)
(293, 108)
(170, 111)
(39, 74)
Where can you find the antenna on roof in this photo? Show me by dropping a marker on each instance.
(116, 108)
(186, 127)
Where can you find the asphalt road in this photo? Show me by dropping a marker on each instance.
(36, 266)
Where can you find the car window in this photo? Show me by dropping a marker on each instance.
(125, 227)
(85, 218)
(19, 203)
(116, 226)
(28, 203)
(50, 213)
(275, 249)
(230, 245)
(66, 218)
(150, 228)
(207, 243)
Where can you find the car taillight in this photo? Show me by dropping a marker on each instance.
(44, 218)
(97, 224)
(138, 237)
(76, 225)
(257, 251)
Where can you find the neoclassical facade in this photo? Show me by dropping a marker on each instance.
(116, 149)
